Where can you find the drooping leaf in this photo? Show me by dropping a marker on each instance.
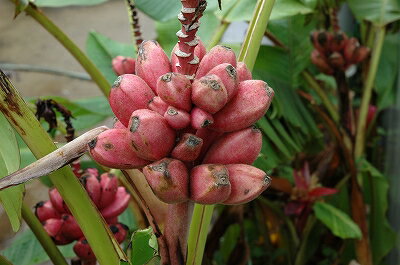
(159, 10)
(144, 246)
(101, 50)
(383, 237)
(63, 3)
(33, 252)
(338, 222)
(10, 198)
(379, 12)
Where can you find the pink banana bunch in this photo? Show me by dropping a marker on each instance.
(110, 199)
(335, 51)
(192, 135)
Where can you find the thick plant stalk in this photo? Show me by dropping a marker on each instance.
(75, 51)
(189, 17)
(367, 91)
(105, 247)
(47, 243)
(202, 213)
(176, 230)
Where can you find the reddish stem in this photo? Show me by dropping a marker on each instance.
(191, 12)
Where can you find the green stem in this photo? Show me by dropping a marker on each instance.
(47, 243)
(202, 213)
(219, 32)
(367, 91)
(75, 51)
(300, 257)
(4, 261)
(322, 95)
(198, 233)
(104, 245)
(255, 33)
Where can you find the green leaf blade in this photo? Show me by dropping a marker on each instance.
(340, 224)
(11, 198)
(144, 246)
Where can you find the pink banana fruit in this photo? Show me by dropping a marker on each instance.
(200, 119)
(250, 104)
(209, 93)
(209, 184)
(129, 93)
(45, 210)
(169, 180)
(216, 56)
(118, 125)
(229, 78)
(152, 138)
(243, 73)
(238, 147)
(175, 89)
(123, 65)
(321, 62)
(70, 229)
(158, 105)
(109, 187)
(120, 231)
(176, 118)
(336, 60)
(350, 47)
(247, 183)
(209, 137)
(113, 148)
(120, 203)
(53, 226)
(93, 187)
(57, 201)
(338, 41)
(151, 63)
(188, 148)
(84, 251)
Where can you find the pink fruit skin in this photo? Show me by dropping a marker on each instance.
(118, 125)
(152, 137)
(217, 55)
(93, 187)
(209, 93)
(209, 184)
(151, 63)
(70, 230)
(113, 148)
(188, 148)
(57, 201)
(175, 89)
(158, 105)
(176, 118)
(120, 203)
(209, 137)
(53, 226)
(123, 65)
(199, 51)
(247, 183)
(169, 180)
(200, 119)
(228, 75)
(250, 104)
(109, 187)
(243, 73)
(84, 251)
(120, 231)
(128, 94)
(238, 147)
(45, 210)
